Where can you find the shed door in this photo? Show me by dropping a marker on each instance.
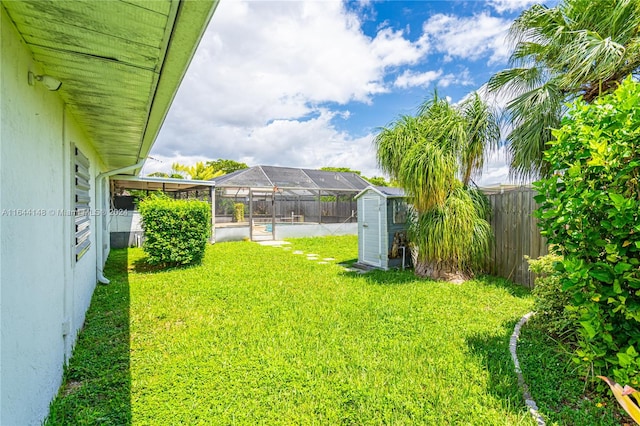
(371, 250)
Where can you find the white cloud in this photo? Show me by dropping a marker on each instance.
(271, 79)
(463, 78)
(259, 54)
(412, 79)
(393, 49)
(502, 6)
(469, 37)
(496, 170)
(310, 143)
(254, 89)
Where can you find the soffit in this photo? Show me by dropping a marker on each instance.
(120, 63)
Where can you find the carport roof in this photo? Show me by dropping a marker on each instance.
(121, 182)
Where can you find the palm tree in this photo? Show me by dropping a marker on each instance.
(578, 48)
(226, 166)
(482, 135)
(428, 155)
(173, 175)
(198, 172)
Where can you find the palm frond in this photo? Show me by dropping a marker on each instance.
(393, 141)
(482, 135)
(589, 58)
(427, 173)
(534, 114)
(579, 47)
(516, 81)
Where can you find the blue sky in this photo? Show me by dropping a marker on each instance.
(308, 83)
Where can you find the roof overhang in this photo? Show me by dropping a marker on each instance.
(120, 63)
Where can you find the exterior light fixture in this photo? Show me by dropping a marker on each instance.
(49, 82)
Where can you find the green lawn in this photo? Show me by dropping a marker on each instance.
(260, 335)
(558, 385)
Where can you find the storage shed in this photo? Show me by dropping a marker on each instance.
(382, 228)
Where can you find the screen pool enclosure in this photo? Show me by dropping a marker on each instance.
(268, 202)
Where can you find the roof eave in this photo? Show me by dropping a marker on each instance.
(182, 45)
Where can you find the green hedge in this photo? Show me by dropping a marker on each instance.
(238, 212)
(554, 313)
(590, 211)
(176, 231)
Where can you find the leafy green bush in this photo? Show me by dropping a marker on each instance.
(238, 212)
(554, 312)
(591, 210)
(176, 231)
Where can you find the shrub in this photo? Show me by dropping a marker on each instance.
(176, 231)
(591, 210)
(238, 212)
(554, 312)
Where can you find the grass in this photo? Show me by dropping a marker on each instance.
(558, 385)
(260, 335)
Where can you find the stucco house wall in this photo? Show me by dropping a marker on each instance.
(47, 271)
(43, 300)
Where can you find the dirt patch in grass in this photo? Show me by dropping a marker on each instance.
(71, 387)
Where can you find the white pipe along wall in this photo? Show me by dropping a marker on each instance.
(100, 179)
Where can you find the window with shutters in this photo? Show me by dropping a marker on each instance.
(82, 212)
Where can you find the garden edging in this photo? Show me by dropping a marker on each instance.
(513, 345)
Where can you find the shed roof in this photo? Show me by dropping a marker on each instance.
(268, 177)
(384, 191)
(120, 63)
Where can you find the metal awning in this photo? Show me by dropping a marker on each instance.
(124, 182)
(120, 63)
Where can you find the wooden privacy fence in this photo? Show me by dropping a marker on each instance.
(516, 235)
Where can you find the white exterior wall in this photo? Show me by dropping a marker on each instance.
(231, 233)
(129, 221)
(44, 293)
(125, 228)
(298, 230)
(288, 230)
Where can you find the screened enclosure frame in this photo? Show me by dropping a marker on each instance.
(274, 196)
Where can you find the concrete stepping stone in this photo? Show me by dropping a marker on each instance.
(274, 243)
(298, 252)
